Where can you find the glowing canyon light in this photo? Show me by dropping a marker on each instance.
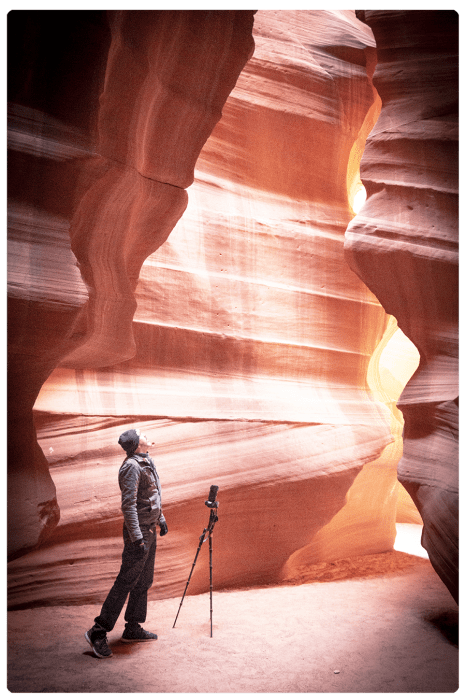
(359, 199)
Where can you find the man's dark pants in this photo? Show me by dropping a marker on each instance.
(135, 577)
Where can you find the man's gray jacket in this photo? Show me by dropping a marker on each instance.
(141, 494)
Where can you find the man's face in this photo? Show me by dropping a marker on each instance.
(144, 444)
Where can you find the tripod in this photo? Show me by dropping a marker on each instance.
(212, 504)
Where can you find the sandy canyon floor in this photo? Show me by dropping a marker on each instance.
(379, 624)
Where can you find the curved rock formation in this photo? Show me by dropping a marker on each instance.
(79, 134)
(404, 245)
(254, 348)
(253, 337)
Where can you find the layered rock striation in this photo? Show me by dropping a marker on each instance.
(108, 113)
(229, 327)
(404, 245)
(251, 341)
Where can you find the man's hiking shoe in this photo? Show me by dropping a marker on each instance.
(98, 642)
(137, 634)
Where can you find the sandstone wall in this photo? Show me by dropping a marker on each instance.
(249, 354)
(404, 245)
(76, 175)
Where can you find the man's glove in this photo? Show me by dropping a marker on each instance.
(140, 546)
(163, 528)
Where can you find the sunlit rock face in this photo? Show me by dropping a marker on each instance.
(404, 245)
(108, 113)
(251, 340)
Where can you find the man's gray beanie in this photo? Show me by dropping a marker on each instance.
(129, 440)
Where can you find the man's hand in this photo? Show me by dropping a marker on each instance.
(163, 528)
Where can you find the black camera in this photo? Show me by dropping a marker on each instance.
(211, 502)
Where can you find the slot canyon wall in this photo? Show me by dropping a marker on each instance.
(404, 245)
(180, 185)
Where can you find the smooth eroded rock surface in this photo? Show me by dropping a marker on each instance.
(404, 245)
(229, 325)
(75, 198)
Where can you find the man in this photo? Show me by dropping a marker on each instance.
(142, 510)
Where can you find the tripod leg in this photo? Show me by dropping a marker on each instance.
(201, 540)
(210, 561)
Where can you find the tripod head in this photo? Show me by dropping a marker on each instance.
(213, 505)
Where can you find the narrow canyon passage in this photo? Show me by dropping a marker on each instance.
(188, 254)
